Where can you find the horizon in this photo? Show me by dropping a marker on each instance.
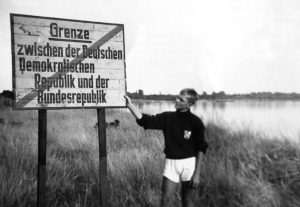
(199, 93)
(218, 92)
(234, 46)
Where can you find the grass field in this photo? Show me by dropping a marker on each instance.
(241, 168)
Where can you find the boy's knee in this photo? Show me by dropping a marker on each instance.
(166, 201)
(187, 195)
(187, 201)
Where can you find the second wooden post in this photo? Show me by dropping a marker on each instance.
(102, 157)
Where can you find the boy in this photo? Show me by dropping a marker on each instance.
(184, 145)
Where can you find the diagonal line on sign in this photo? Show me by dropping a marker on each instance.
(30, 96)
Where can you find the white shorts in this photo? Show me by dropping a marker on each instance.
(180, 170)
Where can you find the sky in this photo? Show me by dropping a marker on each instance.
(236, 46)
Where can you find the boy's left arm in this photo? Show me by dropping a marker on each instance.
(195, 181)
(201, 146)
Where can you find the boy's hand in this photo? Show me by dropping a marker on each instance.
(128, 100)
(132, 109)
(195, 181)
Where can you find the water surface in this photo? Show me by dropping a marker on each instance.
(273, 118)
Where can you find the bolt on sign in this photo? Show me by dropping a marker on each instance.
(63, 63)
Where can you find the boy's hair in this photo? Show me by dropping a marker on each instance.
(193, 95)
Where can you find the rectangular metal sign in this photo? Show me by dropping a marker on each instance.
(63, 63)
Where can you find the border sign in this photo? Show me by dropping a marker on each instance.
(63, 63)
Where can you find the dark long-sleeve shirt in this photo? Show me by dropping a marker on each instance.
(183, 133)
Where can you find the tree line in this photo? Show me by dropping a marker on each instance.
(221, 95)
(213, 96)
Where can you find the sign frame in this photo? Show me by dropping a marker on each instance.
(12, 15)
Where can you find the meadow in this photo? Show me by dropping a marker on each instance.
(241, 167)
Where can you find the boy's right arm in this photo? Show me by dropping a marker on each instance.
(147, 121)
(132, 108)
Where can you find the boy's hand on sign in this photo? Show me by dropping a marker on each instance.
(128, 100)
(131, 107)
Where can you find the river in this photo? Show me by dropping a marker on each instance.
(280, 118)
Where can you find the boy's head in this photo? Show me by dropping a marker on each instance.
(186, 98)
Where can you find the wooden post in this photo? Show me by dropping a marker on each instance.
(42, 148)
(102, 157)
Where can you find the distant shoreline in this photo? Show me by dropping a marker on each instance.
(221, 96)
(218, 100)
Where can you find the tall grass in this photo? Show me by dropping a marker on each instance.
(241, 168)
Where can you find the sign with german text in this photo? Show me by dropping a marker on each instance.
(63, 63)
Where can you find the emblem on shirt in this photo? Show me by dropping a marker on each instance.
(187, 134)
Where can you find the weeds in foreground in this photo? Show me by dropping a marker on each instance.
(240, 168)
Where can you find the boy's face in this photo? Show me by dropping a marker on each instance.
(181, 102)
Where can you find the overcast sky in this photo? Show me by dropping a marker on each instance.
(236, 46)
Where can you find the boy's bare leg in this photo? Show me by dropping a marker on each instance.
(187, 194)
(168, 189)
